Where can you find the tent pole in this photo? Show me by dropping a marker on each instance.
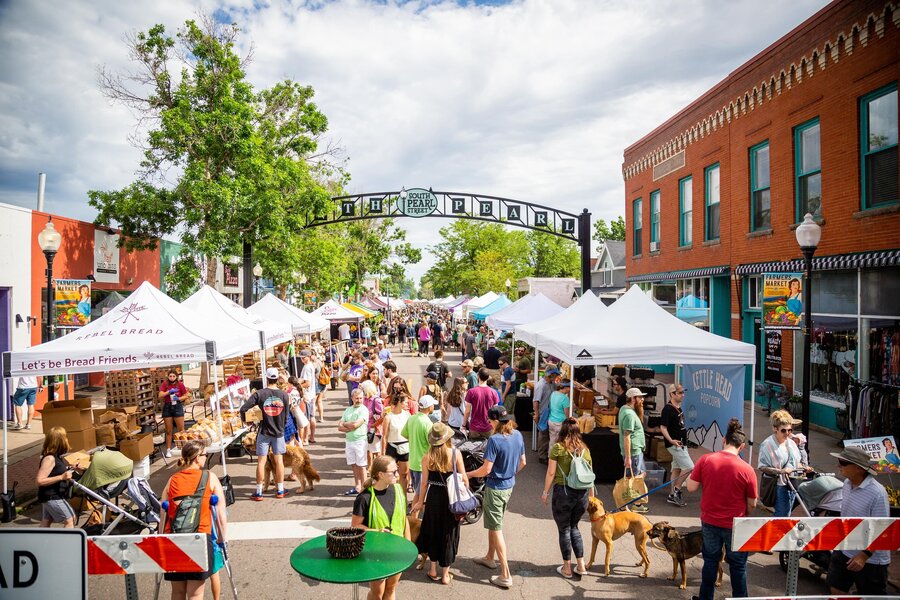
(753, 419)
(534, 431)
(571, 390)
(5, 434)
(218, 412)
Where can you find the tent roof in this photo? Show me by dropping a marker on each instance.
(333, 311)
(587, 308)
(526, 309)
(457, 302)
(480, 301)
(635, 330)
(358, 308)
(274, 308)
(148, 329)
(231, 317)
(498, 304)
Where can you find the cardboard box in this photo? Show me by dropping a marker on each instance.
(82, 440)
(125, 414)
(137, 447)
(658, 451)
(71, 415)
(78, 458)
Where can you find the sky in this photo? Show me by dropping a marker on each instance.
(533, 100)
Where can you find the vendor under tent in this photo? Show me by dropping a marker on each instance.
(147, 330)
(527, 309)
(332, 311)
(500, 303)
(275, 309)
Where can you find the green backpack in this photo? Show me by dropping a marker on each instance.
(581, 475)
(187, 514)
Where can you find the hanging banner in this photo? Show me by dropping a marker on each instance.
(713, 395)
(310, 298)
(772, 365)
(882, 451)
(106, 257)
(783, 301)
(72, 298)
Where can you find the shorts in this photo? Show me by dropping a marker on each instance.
(196, 576)
(25, 395)
(872, 580)
(393, 453)
(57, 511)
(375, 446)
(172, 410)
(680, 458)
(416, 478)
(637, 464)
(356, 453)
(309, 409)
(263, 442)
(494, 505)
(320, 387)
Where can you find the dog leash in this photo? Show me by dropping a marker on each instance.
(656, 489)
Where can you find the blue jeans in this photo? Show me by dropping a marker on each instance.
(714, 539)
(784, 500)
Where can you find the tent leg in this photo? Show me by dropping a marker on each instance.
(571, 392)
(534, 431)
(5, 436)
(217, 411)
(753, 419)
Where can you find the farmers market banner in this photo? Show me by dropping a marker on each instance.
(882, 452)
(713, 394)
(783, 300)
(72, 298)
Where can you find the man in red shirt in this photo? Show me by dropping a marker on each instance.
(732, 493)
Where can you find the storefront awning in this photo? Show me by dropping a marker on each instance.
(688, 274)
(860, 260)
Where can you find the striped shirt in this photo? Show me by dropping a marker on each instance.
(868, 499)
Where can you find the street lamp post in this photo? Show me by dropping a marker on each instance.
(257, 273)
(808, 235)
(508, 283)
(49, 240)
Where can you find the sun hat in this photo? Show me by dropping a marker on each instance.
(498, 413)
(271, 373)
(633, 392)
(427, 400)
(439, 434)
(857, 457)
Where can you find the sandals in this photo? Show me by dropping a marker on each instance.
(433, 577)
(562, 573)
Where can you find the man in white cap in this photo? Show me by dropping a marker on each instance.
(274, 406)
(416, 431)
(675, 438)
(631, 432)
(862, 496)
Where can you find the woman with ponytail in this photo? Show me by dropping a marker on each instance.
(381, 506)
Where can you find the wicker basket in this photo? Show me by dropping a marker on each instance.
(345, 542)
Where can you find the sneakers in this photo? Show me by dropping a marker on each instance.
(676, 499)
(258, 497)
(28, 426)
(281, 495)
(500, 582)
(640, 508)
(17, 427)
(169, 453)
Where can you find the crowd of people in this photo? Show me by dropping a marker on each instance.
(399, 445)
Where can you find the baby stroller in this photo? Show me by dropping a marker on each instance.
(819, 496)
(472, 452)
(107, 488)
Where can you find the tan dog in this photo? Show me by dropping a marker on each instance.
(295, 458)
(680, 546)
(608, 527)
(415, 527)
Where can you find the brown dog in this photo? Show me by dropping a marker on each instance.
(680, 546)
(294, 457)
(608, 527)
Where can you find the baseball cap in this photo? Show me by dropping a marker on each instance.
(563, 384)
(553, 371)
(491, 342)
(498, 413)
(633, 392)
(427, 400)
(304, 353)
(271, 373)
(431, 375)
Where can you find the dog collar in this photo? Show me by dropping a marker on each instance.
(598, 518)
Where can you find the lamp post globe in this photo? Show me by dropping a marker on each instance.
(809, 234)
(257, 273)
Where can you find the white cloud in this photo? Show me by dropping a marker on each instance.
(533, 100)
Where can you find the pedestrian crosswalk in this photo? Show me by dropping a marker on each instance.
(280, 530)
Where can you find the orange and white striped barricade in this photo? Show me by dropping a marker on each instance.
(129, 555)
(812, 598)
(798, 535)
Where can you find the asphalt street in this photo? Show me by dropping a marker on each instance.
(265, 533)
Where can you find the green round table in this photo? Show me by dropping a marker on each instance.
(384, 555)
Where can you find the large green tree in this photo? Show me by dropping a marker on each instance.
(222, 163)
(615, 230)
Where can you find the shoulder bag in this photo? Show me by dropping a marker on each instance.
(462, 500)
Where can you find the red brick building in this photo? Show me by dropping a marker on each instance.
(714, 194)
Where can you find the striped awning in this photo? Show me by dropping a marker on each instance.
(860, 260)
(688, 274)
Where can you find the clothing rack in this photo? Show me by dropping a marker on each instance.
(878, 383)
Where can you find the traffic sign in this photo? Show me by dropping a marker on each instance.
(36, 564)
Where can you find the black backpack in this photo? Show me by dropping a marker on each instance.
(187, 515)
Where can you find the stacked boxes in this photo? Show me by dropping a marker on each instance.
(75, 417)
(132, 389)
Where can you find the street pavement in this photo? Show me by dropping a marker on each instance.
(263, 534)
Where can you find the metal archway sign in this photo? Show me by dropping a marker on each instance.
(419, 203)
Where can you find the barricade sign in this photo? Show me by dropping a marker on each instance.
(36, 564)
(812, 598)
(756, 534)
(132, 554)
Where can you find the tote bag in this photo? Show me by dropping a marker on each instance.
(462, 500)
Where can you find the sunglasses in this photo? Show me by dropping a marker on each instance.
(395, 472)
(679, 393)
(844, 463)
(787, 431)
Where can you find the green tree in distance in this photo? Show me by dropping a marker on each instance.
(615, 230)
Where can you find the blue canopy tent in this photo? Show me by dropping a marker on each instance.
(482, 313)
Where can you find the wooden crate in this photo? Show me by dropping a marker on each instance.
(128, 388)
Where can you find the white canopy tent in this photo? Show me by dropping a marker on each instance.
(229, 315)
(526, 309)
(585, 309)
(275, 309)
(148, 329)
(333, 311)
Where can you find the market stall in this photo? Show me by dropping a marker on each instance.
(527, 309)
(500, 303)
(275, 309)
(336, 314)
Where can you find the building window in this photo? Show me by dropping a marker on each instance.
(692, 301)
(654, 220)
(712, 202)
(808, 169)
(685, 211)
(754, 292)
(760, 201)
(878, 146)
(638, 225)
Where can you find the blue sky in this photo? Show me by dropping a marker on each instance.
(533, 99)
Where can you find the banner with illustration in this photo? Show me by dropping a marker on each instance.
(72, 298)
(310, 298)
(106, 256)
(783, 300)
(713, 394)
(882, 451)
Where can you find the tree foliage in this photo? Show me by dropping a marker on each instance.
(615, 230)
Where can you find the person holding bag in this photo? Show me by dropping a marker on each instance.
(439, 535)
(779, 456)
(54, 480)
(570, 494)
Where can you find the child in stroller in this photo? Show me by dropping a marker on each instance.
(473, 457)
